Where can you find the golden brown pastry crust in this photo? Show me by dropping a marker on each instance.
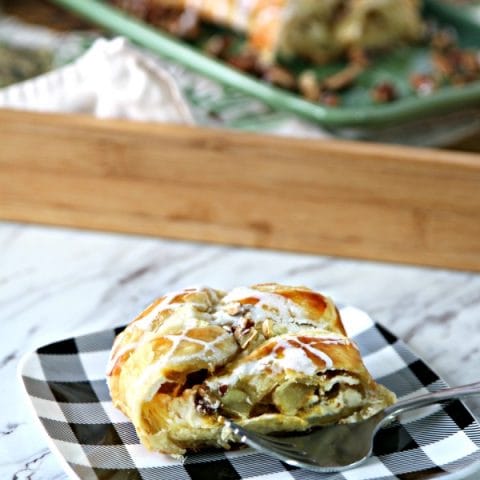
(272, 357)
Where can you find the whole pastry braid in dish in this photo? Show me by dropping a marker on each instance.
(273, 358)
(318, 30)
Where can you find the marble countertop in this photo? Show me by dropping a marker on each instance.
(55, 283)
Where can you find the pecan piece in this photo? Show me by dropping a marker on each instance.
(267, 328)
(204, 403)
(234, 308)
(422, 83)
(309, 86)
(384, 93)
(279, 76)
(344, 78)
(244, 333)
(217, 45)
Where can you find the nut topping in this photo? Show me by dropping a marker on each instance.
(245, 336)
(204, 403)
(267, 328)
(309, 85)
(384, 93)
(234, 308)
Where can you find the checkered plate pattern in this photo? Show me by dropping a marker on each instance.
(65, 383)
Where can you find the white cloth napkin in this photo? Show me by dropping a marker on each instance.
(113, 79)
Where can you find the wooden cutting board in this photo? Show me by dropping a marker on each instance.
(342, 198)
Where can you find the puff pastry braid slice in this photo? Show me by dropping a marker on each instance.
(273, 357)
(318, 30)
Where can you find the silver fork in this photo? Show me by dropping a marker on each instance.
(340, 447)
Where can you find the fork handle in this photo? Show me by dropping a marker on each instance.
(430, 398)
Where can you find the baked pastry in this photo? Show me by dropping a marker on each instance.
(273, 358)
(318, 30)
(377, 24)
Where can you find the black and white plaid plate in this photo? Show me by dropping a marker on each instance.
(65, 383)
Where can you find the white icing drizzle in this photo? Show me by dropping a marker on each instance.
(265, 16)
(269, 305)
(288, 353)
(294, 357)
(218, 356)
(243, 11)
(144, 323)
(196, 4)
(284, 311)
(236, 13)
(314, 351)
